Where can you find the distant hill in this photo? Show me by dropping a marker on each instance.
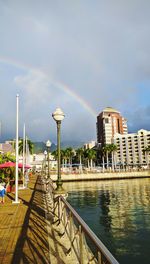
(73, 144)
(39, 147)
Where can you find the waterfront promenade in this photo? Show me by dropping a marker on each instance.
(103, 176)
(27, 234)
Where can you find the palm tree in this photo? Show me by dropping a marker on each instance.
(90, 155)
(65, 156)
(103, 152)
(70, 154)
(29, 144)
(62, 151)
(113, 149)
(107, 151)
(55, 154)
(146, 150)
(79, 153)
(86, 157)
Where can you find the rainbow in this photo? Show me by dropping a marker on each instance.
(58, 84)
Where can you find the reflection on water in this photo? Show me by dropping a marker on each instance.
(119, 213)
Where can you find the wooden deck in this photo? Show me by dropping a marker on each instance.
(26, 236)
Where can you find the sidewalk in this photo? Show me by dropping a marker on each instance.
(26, 236)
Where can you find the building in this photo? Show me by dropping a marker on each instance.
(130, 148)
(6, 147)
(109, 123)
(37, 161)
(90, 145)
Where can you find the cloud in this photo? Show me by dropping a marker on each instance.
(35, 85)
(100, 50)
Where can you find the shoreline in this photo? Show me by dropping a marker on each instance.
(103, 176)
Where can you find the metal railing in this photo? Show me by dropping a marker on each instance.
(85, 244)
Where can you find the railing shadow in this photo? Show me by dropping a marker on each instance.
(32, 245)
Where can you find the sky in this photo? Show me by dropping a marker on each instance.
(81, 56)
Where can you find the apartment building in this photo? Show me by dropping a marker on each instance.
(109, 123)
(130, 148)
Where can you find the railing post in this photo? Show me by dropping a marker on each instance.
(99, 258)
(59, 208)
(81, 245)
(64, 216)
(71, 230)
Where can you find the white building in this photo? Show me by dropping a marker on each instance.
(37, 161)
(130, 148)
(89, 145)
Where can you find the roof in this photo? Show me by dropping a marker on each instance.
(110, 109)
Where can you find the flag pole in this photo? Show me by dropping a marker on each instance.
(23, 168)
(17, 156)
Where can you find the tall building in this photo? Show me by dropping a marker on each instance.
(130, 148)
(110, 123)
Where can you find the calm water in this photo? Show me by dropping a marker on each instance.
(119, 214)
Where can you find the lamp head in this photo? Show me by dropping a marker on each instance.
(58, 115)
(48, 144)
(45, 152)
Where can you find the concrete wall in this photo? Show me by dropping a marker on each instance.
(103, 176)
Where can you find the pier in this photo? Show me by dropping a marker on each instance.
(41, 229)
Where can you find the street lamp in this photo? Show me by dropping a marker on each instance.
(48, 145)
(45, 154)
(58, 116)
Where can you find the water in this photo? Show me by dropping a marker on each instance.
(119, 214)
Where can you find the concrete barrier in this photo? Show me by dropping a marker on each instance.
(103, 176)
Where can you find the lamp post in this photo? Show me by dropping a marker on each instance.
(48, 145)
(45, 154)
(58, 116)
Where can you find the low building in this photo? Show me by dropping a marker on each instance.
(6, 147)
(90, 145)
(38, 160)
(131, 148)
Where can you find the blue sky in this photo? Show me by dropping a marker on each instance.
(99, 50)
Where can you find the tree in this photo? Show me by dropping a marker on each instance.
(29, 144)
(103, 152)
(10, 171)
(146, 150)
(113, 149)
(62, 153)
(69, 154)
(7, 157)
(90, 154)
(55, 154)
(79, 153)
(107, 151)
(66, 156)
